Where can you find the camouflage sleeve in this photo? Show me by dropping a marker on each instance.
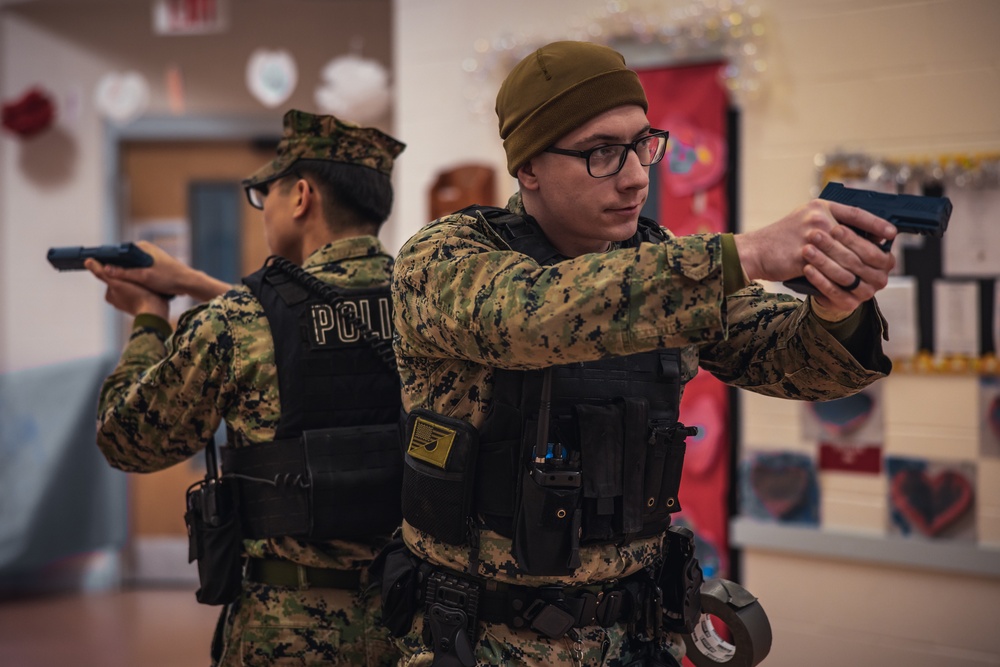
(164, 400)
(460, 292)
(776, 346)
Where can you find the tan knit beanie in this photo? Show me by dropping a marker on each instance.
(555, 90)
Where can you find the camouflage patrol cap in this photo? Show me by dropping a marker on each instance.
(555, 90)
(311, 137)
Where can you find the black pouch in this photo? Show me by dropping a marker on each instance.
(601, 431)
(214, 540)
(438, 475)
(398, 573)
(355, 466)
(547, 522)
(664, 465)
(547, 512)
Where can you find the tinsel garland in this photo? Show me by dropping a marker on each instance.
(729, 30)
(972, 171)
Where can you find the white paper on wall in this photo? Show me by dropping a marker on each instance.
(898, 302)
(971, 246)
(956, 317)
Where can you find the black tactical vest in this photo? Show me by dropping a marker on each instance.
(605, 465)
(334, 468)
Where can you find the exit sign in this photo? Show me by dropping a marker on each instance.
(190, 17)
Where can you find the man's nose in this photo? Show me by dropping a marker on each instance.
(633, 174)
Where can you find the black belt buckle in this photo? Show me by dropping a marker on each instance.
(549, 619)
(609, 609)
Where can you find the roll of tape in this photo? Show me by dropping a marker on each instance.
(747, 623)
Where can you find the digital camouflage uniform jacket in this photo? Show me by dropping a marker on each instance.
(165, 400)
(464, 304)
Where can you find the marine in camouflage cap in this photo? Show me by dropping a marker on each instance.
(312, 137)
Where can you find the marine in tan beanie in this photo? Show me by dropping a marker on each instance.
(568, 304)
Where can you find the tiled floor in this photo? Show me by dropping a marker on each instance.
(129, 628)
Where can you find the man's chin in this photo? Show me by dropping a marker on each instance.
(623, 230)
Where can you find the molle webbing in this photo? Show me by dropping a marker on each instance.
(619, 415)
(331, 483)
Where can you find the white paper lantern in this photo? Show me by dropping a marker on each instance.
(354, 89)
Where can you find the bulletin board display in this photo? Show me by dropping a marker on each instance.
(908, 466)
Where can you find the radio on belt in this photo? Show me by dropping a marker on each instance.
(747, 623)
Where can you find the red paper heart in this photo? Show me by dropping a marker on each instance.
(931, 504)
(780, 488)
(29, 115)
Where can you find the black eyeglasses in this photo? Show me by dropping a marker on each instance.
(608, 160)
(257, 193)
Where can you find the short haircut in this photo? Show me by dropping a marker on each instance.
(353, 195)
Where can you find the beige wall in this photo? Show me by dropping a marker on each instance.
(888, 77)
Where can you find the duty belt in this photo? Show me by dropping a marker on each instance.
(550, 610)
(292, 575)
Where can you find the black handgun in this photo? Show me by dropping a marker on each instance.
(127, 255)
(911, 214)
(71, 258)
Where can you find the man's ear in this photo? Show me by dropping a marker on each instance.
(526, 176)
(305, 197)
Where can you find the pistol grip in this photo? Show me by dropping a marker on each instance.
(802, 286)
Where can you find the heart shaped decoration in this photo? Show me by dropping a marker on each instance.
(121, 96)
(271, 76)
(781, 484)
(844, 416)
(930, 503)
(30, 115)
